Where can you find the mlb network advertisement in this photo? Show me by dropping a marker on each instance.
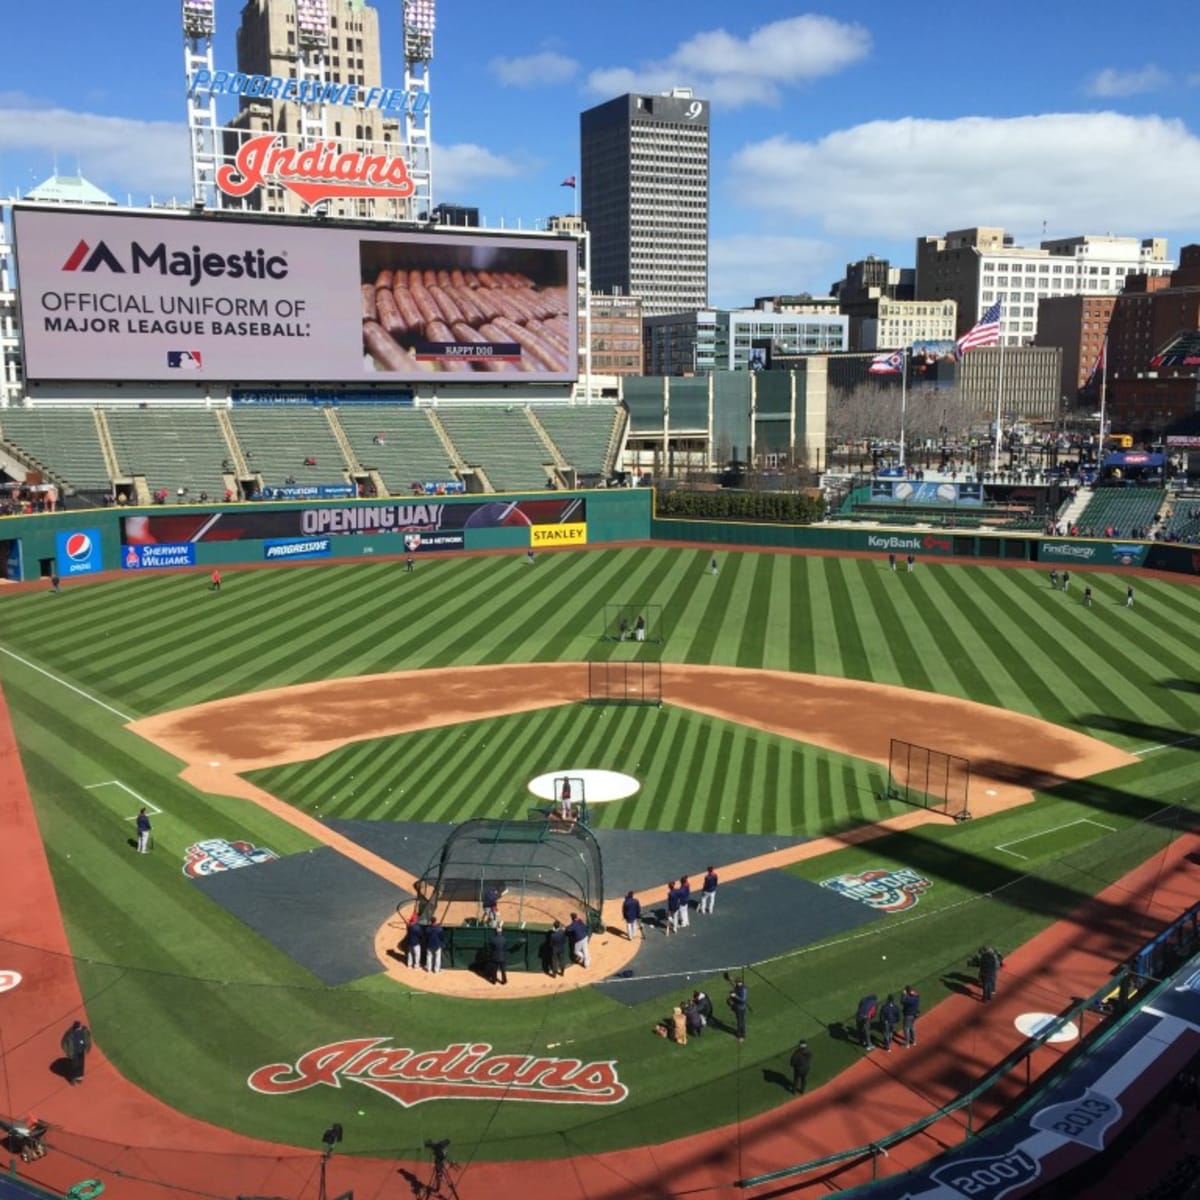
(171, 539)
(111, 296)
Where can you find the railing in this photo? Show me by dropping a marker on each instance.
(1115, 995)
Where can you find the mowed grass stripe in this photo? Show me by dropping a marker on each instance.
(752, 646)
(724, 600)
(801, 616)
(852, 653)
(949, 611)
(1059, 653)
(1086, 626)
(878, 588)
(776, 603)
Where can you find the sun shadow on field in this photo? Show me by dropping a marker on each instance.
(1156, 735)
(960, 982)
(1181, 685)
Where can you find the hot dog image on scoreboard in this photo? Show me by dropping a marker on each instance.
(437, 307)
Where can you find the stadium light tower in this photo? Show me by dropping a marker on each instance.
(199, 25)
(419, 19)
(312, 43)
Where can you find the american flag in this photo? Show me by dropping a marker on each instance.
(568, 182)
(891, 363)
(985, 332)
(1093, 379)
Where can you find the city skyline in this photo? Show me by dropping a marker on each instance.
(832, 138)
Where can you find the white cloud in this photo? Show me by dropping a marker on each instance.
(901, 179)
(732, 71)
(534, 70)
(747, 265)
(120, 154)
(461, 166)
(1113, 82)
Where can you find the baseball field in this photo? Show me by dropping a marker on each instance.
(329, 724)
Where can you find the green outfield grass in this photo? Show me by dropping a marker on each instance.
(188, 1001)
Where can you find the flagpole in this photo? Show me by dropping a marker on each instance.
(999, 401)
(903, 398)
(1103, 400)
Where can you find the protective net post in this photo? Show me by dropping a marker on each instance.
(637, 681)
(929, 778)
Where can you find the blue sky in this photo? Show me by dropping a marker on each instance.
(836, 132)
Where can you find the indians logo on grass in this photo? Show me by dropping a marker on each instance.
(890, 891)
(462, 1071)
(216, 854)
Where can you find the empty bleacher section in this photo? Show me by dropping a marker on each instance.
(172, 448)
(502, 441)
(64, 441)
(1122, 509)
(1184, 525)
(587, 437)
(276, 444)
(400, 443)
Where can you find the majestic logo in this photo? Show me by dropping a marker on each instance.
(315, 173)
(988, 1178)
(462, 1071)
(216, 854)
(1085, 1120)
(193, 264)
(887, 890)
(78, 547)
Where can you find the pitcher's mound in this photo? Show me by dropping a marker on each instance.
(598, 786)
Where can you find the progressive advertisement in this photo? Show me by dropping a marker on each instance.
(119, 296)
(433, 525)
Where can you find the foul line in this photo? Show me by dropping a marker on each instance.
(116, 712)
(1183, 741)
(91, 787)
(1003, 847)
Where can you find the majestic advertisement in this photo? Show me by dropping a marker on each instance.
(434, 525)
(119, 296)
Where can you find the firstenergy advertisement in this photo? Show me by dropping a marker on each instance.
(119, 296)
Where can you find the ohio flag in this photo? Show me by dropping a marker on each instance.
(891, 363)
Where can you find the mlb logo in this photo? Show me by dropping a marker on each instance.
(412, 541)
(184, 360)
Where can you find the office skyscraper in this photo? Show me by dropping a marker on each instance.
(644, 162)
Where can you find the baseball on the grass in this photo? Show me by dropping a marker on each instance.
(884, 957)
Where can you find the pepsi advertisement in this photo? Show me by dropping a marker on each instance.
(78, 552)
(432, 522)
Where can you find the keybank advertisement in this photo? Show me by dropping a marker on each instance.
(246, 522)
(119, 296)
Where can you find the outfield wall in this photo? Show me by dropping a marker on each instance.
(175, 536)
(166, 537)
(1053, 552)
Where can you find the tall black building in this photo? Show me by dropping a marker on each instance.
(644, 198)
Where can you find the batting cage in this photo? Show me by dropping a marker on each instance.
(633, 623)
(929, 778)
(531, 873)
(636, 682)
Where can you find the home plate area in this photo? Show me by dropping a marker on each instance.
(323, 910)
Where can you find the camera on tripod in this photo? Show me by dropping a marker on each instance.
(437, 1149)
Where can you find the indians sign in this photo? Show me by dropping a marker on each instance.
(462, 1071)
(315, 173)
